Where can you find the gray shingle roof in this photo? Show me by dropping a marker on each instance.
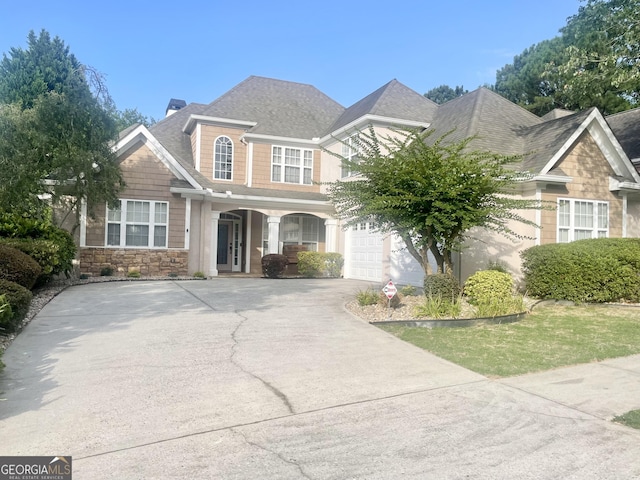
(393, 100)
(168, 132)
(626, 127)
(280, 108)
(498, 123)
(543, 141)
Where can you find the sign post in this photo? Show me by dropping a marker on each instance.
(390, 291)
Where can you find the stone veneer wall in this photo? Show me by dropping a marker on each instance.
(123, 261)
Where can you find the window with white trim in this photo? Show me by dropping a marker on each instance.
(291, 165)
(223, 158)
(138, 223)
(295, 230)
(581, 219)
(350, 152)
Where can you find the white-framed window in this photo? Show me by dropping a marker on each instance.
(350, 152)
(138, 223)
(291, 165)
(581, 219)
(223, 158)
(295, 230)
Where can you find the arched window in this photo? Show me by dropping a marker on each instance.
(223, 158)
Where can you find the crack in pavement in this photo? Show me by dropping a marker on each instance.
(272, 452)
(233, 360)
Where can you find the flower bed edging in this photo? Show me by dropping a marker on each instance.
(455, 322)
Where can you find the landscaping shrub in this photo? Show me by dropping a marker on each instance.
(18, 267)
(106, 271)
(367, 297)
(439, 308)
(45, 252)
(442, 285)
(273, 265)
(19, 299)
(59, 257)
(199, 274)
(409, 291)
(595, 270)
(318, 264)
(498, 306)
(5, 311)
(485, 286)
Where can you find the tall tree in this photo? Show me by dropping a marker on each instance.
(593, 63)
(429, 193)
(58, 113)
(444, 93)
(130, 116)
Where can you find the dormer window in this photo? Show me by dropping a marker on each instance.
(223, 159)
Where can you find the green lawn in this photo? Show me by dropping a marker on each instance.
(547, 338)
(630, 419)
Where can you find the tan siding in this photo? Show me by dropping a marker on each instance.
(590, 171)
(262, 171)
(209, 135)
(147, 179)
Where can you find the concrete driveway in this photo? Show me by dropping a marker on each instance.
(237, 378)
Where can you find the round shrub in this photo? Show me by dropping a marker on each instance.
(484, 286)
(19, 299)
(273, 265)
(18, 267)
(442, 285)
(5, 311)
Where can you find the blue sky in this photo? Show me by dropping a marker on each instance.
(151, 51)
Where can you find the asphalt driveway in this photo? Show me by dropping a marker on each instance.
(237, 378)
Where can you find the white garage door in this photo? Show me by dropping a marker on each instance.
(364, 253)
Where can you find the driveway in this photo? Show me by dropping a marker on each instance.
(237, 378)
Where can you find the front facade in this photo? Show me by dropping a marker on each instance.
(213, 188)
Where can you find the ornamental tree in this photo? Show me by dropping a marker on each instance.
(60, 131)
(429, 193)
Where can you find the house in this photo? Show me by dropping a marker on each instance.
(213, 188)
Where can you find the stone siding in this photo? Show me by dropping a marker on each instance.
(122, 261)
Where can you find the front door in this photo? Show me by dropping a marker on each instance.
(225, 246)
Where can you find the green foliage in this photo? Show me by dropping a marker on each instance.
(630, 419)
(430, 192)
(199, 275)
(439, 307)
(274, 265)
(134, 274)
(59, 131)
(318, 264)
(19, 298)
(444, 93)
(52, 247)
(18, 267)
(409, 291)
(487, 286)
(130, 116)
(367, 297)
(498, 266)
(442, 285)
(596, 270)
(106, 271)
(497, 306)
(593, 63)
(6, 313)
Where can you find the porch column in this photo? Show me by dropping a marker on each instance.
(247, 246)
(213, 266)
(274, 233)
(205, 237)
(331, 235)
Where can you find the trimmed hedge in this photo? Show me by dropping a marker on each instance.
(18, 267)
(273, 265)
(318, 264)
(52, 247)
(19, 299)
(486, 285)
(45, 252)
(442, 285)
(596, 270)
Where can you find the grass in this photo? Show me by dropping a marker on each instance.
(550, 337)
(630, 419)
